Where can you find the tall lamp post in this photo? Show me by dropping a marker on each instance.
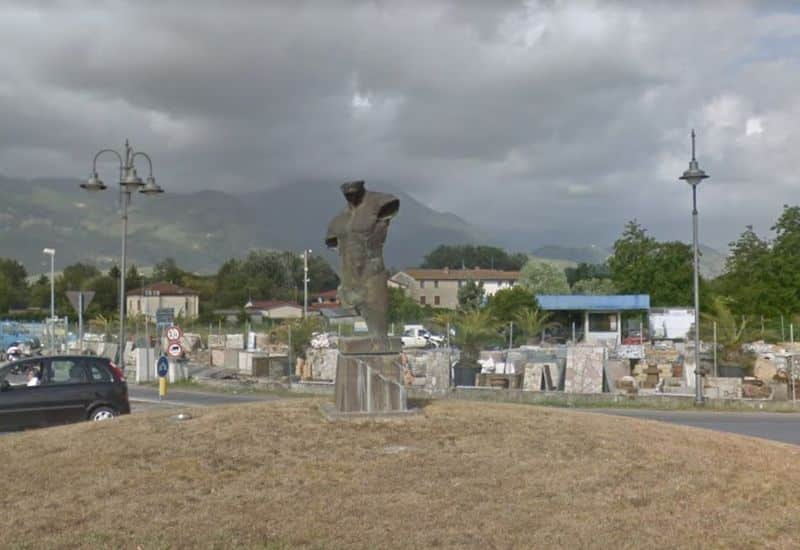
(52, 253)
(693, 176)
(306, 252)
(129, 182)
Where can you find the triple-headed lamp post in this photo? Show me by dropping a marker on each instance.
(693, 176)
(129, 182)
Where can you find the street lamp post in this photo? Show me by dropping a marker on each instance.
(129, 182)
(693, 176)
(52, 253)
(306, 252)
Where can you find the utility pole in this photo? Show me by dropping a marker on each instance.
(306, 252)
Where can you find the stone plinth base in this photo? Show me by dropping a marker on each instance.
(330, 413)
(369, 377)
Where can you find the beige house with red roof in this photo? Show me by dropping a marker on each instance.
(146, 300)
(439, 287)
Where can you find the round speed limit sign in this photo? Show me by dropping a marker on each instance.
(174, 334)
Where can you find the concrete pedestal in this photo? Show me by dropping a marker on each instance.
(369, 377)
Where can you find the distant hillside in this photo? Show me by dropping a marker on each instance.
(712, 262)
(578, 254)
(200, 230)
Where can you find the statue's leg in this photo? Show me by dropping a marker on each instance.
(376, 306)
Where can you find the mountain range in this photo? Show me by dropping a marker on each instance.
(203, 229)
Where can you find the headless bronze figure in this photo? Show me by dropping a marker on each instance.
(359, 232)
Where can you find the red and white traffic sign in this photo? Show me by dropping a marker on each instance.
(174, 334)
(175, 349)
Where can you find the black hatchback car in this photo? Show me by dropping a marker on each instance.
(46, 391)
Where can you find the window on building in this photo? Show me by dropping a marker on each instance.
(436, 300)
(422, 284)
(435, 284)
(460, 284)
(422, 300)
(602, 322)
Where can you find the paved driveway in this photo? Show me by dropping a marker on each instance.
(783, 427)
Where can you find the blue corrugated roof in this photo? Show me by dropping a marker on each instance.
(594, 303)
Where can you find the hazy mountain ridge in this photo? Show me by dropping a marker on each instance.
(203, 229)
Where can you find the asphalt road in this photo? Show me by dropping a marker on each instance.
(784, 427)
(146, 396)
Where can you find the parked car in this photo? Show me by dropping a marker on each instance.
(46, 391)
(417, 336)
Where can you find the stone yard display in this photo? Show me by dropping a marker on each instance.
(369, 376)
(584, 373)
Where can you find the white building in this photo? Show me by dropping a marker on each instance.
(146, 300)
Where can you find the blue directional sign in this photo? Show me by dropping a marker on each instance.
(162, 367)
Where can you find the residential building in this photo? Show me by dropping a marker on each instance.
(439, 287)
(146, 300)
(260, 310)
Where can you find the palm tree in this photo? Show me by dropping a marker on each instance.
(531, 321)
(474, 329)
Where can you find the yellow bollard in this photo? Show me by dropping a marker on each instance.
(162, 387)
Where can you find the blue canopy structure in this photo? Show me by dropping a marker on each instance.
(567, 302)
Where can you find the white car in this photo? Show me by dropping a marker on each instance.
(417, 336)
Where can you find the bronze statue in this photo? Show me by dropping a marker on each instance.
(359, 232)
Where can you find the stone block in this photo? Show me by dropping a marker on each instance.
(369, 383)
(322, 363)
(366, 345)
(723, 388)
(216, 341)
(191, 342)
(254, 363)
(234, 341)
(584, 370)
(615, 370)
(145, 365)
(178, 371)
(218, 357)
(765, 369)
(231, 359)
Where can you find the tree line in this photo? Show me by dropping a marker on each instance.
(261, 275)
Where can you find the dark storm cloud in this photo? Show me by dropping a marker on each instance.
(552, 119)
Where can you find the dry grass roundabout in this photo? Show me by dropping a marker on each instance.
(276, 475)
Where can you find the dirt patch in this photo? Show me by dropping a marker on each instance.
(277, 475)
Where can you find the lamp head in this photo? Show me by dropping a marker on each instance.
(694, 175)
(94, 183)
(151, 187)
(131, 182)
(49, 251)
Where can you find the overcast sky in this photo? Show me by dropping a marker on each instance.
(555, 120)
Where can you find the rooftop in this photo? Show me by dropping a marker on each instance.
(162, 288)
(462, 274)
(594, 303)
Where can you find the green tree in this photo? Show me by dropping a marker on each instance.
(474, 329)
(543, 278)
(630, 262)
(785, 264)
(506, 303)
(584, 271)
(40, 292)
(402, 308)
(747, 277)
(168, 270)
(16, 285)
(599, 287)
(321, 274)
(642, 265)
(531, 321)
(471, 256)
(471, 295)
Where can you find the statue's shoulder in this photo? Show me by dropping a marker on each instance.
(382, 205)
(338, 223)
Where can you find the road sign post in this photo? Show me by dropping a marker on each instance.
(80, 300)
(162, 369)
